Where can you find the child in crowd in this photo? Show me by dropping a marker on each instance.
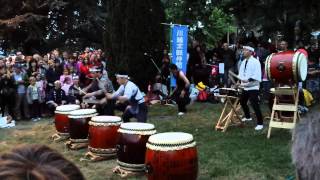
(34, 99)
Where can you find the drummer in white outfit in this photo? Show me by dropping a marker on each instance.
(250, 76)
(130, 95)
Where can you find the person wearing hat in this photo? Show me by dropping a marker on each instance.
(131, 97)
(98, 88)
(181, 91)
(250, 77)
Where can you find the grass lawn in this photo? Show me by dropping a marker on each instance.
(240, 153)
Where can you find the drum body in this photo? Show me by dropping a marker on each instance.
(286, 67)
(79, 126)
(103, 134)
(131, 146)
(61, 119)
(171, 155)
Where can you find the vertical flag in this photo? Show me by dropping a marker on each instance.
(179, 48)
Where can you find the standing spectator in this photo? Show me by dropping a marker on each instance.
(8, 93)
(41, 84)
(33, 68)
(52, 75)
(312, 83)
(21, 80)
(34, 99)
(228, 58)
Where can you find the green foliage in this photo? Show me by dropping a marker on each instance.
(219, 23)
(207, 21)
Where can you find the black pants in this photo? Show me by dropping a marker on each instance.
(182, 102)
(106, 109)
(8, 101)
(35, 109)
(141, 116)
(252, 96)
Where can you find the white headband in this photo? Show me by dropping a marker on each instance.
(248, 48)
(122, 76)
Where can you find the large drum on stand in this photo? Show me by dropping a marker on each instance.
(103, 135)
(287, 67)
(61, 121)
(131, 146)
(171, 155)
(79, 127)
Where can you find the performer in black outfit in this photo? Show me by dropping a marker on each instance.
(181, 91)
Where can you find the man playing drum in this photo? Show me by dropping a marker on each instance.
(97, 88)
(130, 95)
(250, 76)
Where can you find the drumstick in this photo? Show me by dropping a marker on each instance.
(233, 74)
(81, 90)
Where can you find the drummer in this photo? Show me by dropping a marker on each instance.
(97, 89)
(131, 97)
(250, 76)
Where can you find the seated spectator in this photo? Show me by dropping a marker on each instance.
(37, 162)
(74, 94)
(56, 97)
(306, 148)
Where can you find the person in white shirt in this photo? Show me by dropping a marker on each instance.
(250, 76)
(130, 95)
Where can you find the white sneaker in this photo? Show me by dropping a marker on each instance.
(246, 119)
(258, 127)
(180, 113)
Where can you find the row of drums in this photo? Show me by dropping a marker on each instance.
(170, 155)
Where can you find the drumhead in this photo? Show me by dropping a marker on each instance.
(65, 109)
(171, 141)
(137, 128)
(303, 67)
(83, 113)
(106, 119)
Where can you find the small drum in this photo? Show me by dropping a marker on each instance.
(79, 126)
(171, 155)
(286, 67)
(61, 119)
(103, 135)
(131, 147)
(229, 92)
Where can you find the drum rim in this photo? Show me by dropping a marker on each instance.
(93, 123)
(85, 115)
(67, 111)
(137, 123)
(116, 120)
(295, 65)
(300, 64)
(267, 68)
(163, 145)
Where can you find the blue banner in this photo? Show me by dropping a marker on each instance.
(179, 48)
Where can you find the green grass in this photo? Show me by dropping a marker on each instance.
(239, 153)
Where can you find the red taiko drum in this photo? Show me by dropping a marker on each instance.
(171, 155)
(79, 126)
(61, 119)
(103, 135)
(286, 67)
(131, 146)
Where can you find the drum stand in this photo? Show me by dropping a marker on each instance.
(94, 157)
(57, 137)
(231, 118)
(276, 120)
(76, 144)
(125, 173)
